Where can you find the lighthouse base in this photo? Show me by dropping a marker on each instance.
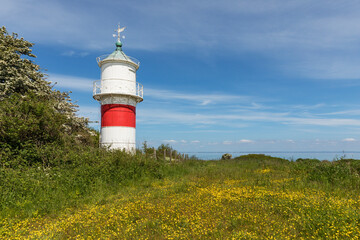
(122, 138)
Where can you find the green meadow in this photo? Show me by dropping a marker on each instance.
(97, 194)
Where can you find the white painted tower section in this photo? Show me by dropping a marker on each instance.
(118, 93)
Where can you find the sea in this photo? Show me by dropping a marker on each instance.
(292, 156)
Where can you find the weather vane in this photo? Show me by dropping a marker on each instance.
(119, 30)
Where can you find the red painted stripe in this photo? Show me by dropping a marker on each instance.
(118, 115)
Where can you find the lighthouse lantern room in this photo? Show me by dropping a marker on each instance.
(118, 93)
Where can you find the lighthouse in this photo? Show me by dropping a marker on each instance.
(118, 93)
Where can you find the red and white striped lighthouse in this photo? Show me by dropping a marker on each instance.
(118, 93)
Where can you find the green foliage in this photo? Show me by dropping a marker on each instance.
(148, 151)
(336, 174)
(69, 177)
(308, 161)
(260, 157)
(32, 114)
(300, 199)
(30, 125)
(262, 160)
(332, 173)
(29, 118)
(163, 148)
(18, 74)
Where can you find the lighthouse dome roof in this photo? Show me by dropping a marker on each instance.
(118, 55)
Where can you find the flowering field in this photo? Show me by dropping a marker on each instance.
(219, 200)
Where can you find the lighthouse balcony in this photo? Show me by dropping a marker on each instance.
(99, 91)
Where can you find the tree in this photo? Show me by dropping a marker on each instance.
(32, 114)
(18, 74)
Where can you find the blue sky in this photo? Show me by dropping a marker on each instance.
(232, 75)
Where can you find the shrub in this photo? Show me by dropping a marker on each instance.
(335, 174)
(29, 123)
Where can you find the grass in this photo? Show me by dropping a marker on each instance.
(250, 197)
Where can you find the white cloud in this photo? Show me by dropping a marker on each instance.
(245, 141)
(71, 82)
(332, 122)
(195, 141)
(202, 99)
(170, 141)
(355, 112)
(47, 21)
(349, 140)
(312, 39)
(161, 116)
(227, 142)
(307, 107)
(170, 23)
(328, 66)
(71, 53)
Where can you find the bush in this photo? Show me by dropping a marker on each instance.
(310, 161)
(32, 114)
(30, 125)
(342, 173)
(71, 175)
